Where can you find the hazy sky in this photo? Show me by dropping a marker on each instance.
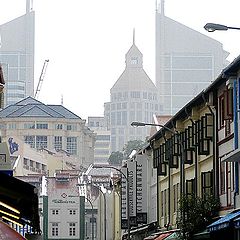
(86, 42)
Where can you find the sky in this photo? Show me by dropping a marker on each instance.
(86, 42)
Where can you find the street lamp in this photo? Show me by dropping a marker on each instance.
(182, 176)
(211, 27)
(128, 208)
(92, 217)
(105, 209)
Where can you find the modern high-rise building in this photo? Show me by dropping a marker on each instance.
(186, 61)
(133, 98)
(102, 144)
(17, 56)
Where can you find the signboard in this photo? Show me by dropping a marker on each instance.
(132, 170)
(5, 163)
(141, 189)
(124, 220)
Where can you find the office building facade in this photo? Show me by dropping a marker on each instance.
(17, 56)
(186, 62)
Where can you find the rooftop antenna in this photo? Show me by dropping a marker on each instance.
(133, 36)
(29, 6)
(162, 6)
(62, 100)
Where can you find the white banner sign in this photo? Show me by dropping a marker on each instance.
(141, 189)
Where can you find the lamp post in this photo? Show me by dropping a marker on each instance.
(105, 209)
(128, 208)
(92, 217)
(104, 200)
(182, 176)
(211, 27)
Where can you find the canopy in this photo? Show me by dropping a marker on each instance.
(6, 232)
(223, 222)
(19, 199)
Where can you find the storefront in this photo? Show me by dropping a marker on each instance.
(19, 202)
(224, 228)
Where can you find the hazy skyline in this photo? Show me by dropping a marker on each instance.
(86, 42)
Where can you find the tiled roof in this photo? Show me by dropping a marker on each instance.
(30, 107)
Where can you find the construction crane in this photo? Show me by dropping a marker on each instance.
(40, 81)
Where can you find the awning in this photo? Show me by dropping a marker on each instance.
(19, 202)
(237, 222)
(141, 229)
(223, 222)
(233, 156)
(172, 236)
(6, 232)
(163, 236)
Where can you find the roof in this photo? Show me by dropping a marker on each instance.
(30, 107)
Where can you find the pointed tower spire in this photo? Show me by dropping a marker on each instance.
(133, 36)
(29, 6)
(162, 6)
(62, 100)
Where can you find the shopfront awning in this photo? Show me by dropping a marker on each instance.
(18, 202)
(6, 232)
(163, 236)
(233, 156)
(223, 222)
(237, 222)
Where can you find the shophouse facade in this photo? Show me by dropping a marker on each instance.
(196, 152)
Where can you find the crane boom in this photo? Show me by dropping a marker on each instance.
(40, 81)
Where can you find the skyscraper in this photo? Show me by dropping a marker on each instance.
(17, 55)
(186, 62)
(133, 98)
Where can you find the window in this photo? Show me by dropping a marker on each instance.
(25, 161)
(12, 126)
(55, 211)
(72, 229)
(134, 60)
(42, 126)
(58, 143)
(54, 229)
(207, 184)
(135, 94)
(58, 126)
(71, 127)
(175, 197)
(72, 145)
(72, 211)
(225, 107)
(29, 125)
(30, 140)
(190, 187)
(41, 142)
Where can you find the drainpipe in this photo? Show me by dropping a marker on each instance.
(235, 122)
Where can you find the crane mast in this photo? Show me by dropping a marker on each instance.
(40, 81)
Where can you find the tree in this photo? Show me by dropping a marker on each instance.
(115, 158)
(195, 214)
(132, 145)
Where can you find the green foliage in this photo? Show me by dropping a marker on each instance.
(115, 158)
(195, 214)
(132, 145)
